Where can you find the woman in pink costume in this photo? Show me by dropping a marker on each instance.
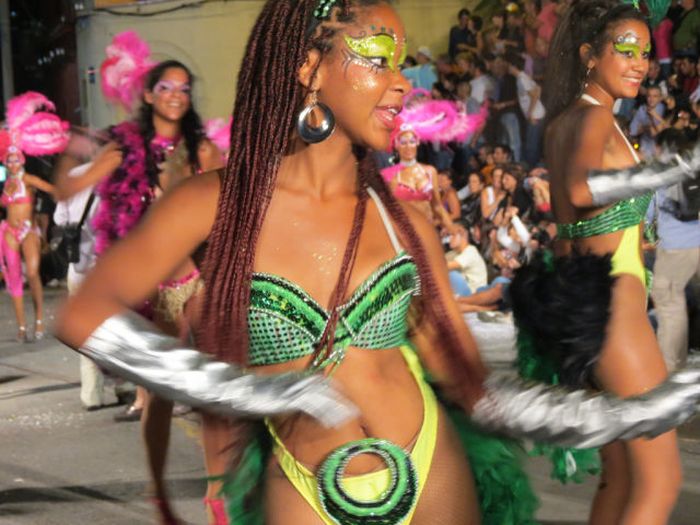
(35, 132)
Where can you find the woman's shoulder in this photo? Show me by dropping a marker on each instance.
(579, 119)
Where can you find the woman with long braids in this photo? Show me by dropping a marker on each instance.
(145, 158)
(317, 282)
(594, 298)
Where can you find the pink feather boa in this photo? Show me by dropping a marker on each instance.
(440, 121)
(127, 193)
(218, 130)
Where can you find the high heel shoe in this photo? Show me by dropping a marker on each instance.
(21, 334)
(38, 330)
(217, 508)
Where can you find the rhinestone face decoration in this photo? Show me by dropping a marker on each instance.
(323, 9)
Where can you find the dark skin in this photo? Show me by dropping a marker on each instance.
(303, 238)
(641, 478)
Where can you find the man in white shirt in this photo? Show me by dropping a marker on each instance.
(467, 267)
(529, 99)
(482, 84)
(70, 211)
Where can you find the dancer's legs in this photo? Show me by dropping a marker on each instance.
(216, 440)
(31, 250)
(11, 264)
(631, 363)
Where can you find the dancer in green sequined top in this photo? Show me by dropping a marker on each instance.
(600, 53)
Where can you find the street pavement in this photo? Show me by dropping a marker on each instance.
(62, 465)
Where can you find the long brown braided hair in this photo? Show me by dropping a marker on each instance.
(269, 98)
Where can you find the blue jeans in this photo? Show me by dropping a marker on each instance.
(533, 143)
(459, 284)
(511, 125)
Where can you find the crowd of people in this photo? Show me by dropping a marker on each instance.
(495, 186)
(324, 172)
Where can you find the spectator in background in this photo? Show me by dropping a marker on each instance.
(461, 37)
(422, 76)
(648, 121)
(470, 198)
(518, 196)
(685, 37)
(548, 18)
(476, 25)
(505, 108)
(502, 154)
(689, 75)
(653, 78)
(463, 67)
(663, 46)
(530, 25)
(466, 265)
(481, 83)
(529, 98)
(448, 195)
(493, 195)
(512, 35)
(492, 36)
(677, 261)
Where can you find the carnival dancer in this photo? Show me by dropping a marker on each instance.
(145, 158)
(582, 318)
(436, 122)
(312, 267)
(33, 129)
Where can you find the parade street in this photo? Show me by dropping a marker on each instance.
(63, 465)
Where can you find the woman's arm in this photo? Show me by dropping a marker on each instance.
(40, 184)
(132, 269)
(426, 338)
(486, 207)
(105, 163)
(439, 210)
(210, 157)
(453, 204)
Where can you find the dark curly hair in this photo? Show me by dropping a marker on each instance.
(191, 124)
(584, 22)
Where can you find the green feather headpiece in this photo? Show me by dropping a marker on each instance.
(655, 10)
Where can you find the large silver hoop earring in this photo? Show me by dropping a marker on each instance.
(309, 133)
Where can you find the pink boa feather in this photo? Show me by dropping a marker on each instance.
(124, 70)
(440, 121)
(32, 128)
(218, 130)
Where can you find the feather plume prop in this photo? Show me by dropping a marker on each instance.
(218, 130)
(123, 72)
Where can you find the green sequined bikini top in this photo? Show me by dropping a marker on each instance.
(286, 323)
(625, 213)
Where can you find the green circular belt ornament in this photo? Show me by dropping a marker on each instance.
(390, 508)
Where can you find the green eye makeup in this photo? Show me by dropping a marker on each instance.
(629, 44)
(373, 47)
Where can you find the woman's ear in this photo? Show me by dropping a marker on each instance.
(310, 73)
(148, 96)
(585, 52)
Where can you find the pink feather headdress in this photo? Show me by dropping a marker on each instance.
(32, 128)
(123, 72)
(218, 130)
(438, 121)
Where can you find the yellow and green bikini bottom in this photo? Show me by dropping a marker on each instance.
(386, 496)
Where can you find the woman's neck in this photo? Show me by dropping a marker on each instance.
(408, 163)
(167, 129)
(597, 92)
(17, 175)
(323, 170)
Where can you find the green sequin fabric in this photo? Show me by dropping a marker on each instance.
(623, 214)
(286, 323)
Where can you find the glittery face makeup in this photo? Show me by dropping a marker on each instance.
(629, 45)
(170, 87)
(377, 51)
(408, 139)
